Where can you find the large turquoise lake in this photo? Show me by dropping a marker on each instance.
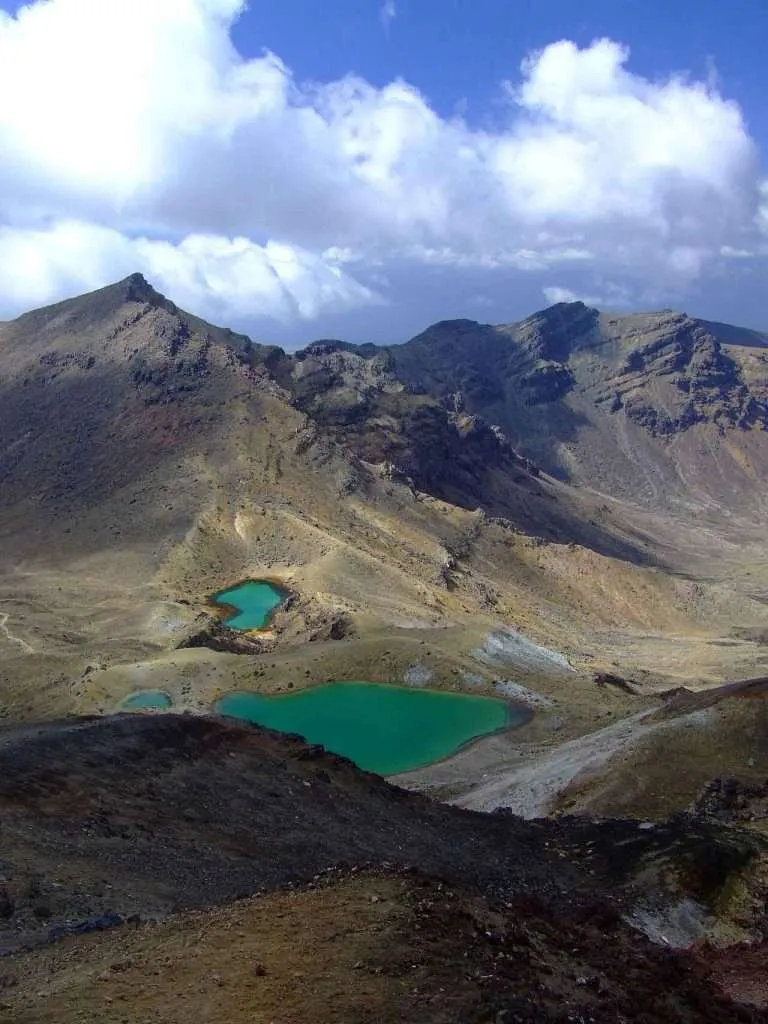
(254, 601)
(384, 729)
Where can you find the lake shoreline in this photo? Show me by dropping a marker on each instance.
(226, 611)
(427, 721)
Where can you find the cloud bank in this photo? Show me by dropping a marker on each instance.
(135, 137)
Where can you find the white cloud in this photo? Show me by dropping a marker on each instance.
(555, 293)
(730, 253)
(126, 123)
(388, 13)
(611, 295)
(209, 274)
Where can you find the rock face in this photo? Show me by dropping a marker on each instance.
(217, 637)
(702, 381)
(657, 407)
(651, 407)
(635, 405)
(445, 443)
(357, 396)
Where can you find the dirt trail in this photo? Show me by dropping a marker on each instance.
(530, 789)
(14, 639)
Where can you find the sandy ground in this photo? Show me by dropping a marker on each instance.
(532, 789)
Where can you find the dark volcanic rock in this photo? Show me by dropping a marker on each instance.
(732, 800)
(137, 814)
(218, 637)
(554, 333)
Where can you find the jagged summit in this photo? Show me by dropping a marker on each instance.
(93, 327)
(138, 289)
(82, 309)
(594, 397)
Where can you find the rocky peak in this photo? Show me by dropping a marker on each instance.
(459, 324)
(553, 333)
(320, 348)
(136, 288)
(78, 316)
(678, 373)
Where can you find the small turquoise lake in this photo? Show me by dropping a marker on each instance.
(146, 699)
(384, 729)
(253, 602)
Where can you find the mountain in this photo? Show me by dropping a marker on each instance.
(566, 513)
(357, 398)
(472, 476)
(98, 390)
(132, 383)
(661, 408)
(168, 865)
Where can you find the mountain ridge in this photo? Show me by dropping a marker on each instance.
(148, 460)
(474, 511)
(137, 366)
(651, 409)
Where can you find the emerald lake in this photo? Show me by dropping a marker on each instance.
(146, 699)
(253, 601)
(383, 729)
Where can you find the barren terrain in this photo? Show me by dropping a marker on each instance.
(567, 512)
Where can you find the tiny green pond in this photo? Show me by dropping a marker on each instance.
(382, 728)
(254, 601)
(146, 699)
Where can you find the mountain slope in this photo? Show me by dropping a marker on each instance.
(358, 399)
(99, 390)
(659, 408)
(407, 500)
(148, 459)
(384, 947)
(96, 392)
(137, 814)
(114, 828)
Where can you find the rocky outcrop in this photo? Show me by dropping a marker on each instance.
(732, 800)
(546, 382)
(684, 377)
(595, 399)
(218, 637)
(435, 444)
(553, 334)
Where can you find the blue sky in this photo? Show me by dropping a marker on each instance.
(461, 49)
(361, 168)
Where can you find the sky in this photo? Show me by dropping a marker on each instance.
(303, 169)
